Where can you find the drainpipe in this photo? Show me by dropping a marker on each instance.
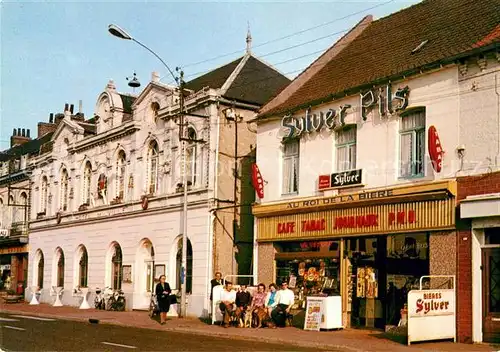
(498, 119)
(235, 193)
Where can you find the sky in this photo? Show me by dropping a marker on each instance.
(57, 52)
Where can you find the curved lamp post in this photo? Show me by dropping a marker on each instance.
(118, 32)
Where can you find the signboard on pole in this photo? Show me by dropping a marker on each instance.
(314, 311)
(431, 315)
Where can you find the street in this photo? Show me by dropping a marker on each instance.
(32, 333)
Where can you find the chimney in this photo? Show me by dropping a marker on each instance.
(44, 127)
(66, 107)
(19, 137)
(80, 106)
(71, 108)
(28, 133)
(155, 77)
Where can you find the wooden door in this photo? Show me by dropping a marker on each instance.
(491, 294)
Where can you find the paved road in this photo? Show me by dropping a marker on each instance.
(30, 333)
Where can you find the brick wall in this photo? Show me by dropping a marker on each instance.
(45, 127)
(468, 186)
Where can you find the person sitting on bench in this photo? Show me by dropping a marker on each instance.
(227, 304)
(285, 299)
(243, 300)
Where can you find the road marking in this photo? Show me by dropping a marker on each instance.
(7, 319)
(32, 318)
(118, 345)
(13, 328)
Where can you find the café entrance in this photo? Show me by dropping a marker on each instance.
(491, 294)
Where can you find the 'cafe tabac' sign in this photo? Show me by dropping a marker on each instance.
(331, 119)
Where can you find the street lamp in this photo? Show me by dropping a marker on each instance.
(118, 32)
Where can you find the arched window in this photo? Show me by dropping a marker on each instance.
(2, 212)
(64, 190)
(191, 156)
(121, 165)
(44, 195)
(60, 268)
(87, 183)
(23, 214)
(83, 267)
(152, 168)
(189, 271)
(40, 269)
(116, 268)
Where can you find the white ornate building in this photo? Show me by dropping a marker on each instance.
(108, 191)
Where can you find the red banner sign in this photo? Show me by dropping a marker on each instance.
(435, 149)
(257, 181)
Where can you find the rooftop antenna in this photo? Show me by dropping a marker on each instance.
(133, 82)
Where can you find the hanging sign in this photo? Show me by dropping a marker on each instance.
(340, 179)
(435, 149)
(257, 181)
(314, 311)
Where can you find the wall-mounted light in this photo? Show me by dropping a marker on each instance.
(230, 114)
(461, 151)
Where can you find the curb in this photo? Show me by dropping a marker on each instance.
(319, 346)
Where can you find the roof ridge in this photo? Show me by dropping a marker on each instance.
(237, 70)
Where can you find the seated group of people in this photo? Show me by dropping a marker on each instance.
(263, 307)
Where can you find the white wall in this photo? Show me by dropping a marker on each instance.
(377, 138)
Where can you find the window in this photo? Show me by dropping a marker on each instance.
(291, 167)
(191, 156)
(64, 191)
(41, 268)
(83, 267)
(152, 168)
(120, 175)
(12, 212)
(412, 144)
(87, 180)
(346, 149)
(189, 271)
(23, 214)
(43, 195)
(60, 268)
(116, 268)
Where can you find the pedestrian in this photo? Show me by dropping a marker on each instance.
(284, 300)
(162, 292)
(215, 282)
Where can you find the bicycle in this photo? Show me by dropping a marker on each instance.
(153, 306)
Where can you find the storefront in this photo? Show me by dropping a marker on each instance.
(13, 268)
(369, 247)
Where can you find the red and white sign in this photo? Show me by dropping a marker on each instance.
(435, 149)
(257, 181)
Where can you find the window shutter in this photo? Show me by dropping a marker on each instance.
(406, 146)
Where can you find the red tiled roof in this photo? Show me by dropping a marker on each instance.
(384, 49)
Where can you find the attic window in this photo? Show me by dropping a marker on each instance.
(419, 47)
(155, 107)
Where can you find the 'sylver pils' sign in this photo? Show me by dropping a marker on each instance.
(387, 102)
(340, 179)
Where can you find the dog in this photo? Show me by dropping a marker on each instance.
(244, 318)
(261, 318)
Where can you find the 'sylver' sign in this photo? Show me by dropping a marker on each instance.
(387, 101)
(340, 179)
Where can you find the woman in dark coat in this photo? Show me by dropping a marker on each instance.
(162, 292)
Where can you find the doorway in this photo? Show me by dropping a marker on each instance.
(491, 294)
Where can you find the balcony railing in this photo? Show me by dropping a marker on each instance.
(19, 229)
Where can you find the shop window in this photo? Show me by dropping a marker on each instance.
(189, 271)
(152, 168)
(83, 268)
(412, 144)
(492, 235)
(291, 167)
(346, 149)
(116, 268)
(121, 165)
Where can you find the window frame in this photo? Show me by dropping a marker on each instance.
(191, 155)
(87, 183)
(44, 192)
(288, 186)
(415, 132)
(83, 268)
(349, 145)
(121, 173)
(64, 189)
(60, 269)
(152, 168)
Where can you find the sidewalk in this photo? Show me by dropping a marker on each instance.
(348, 340)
